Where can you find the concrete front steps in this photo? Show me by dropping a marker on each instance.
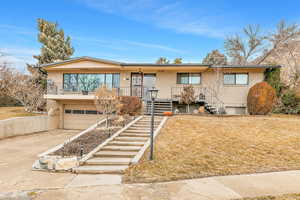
(116, 155)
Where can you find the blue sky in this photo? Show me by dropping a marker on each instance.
(136, 30)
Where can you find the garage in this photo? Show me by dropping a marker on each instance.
(80, 116)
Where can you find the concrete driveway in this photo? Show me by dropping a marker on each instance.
(19, 153)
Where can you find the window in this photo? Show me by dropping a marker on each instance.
(91, 112)
(241, 79)
(71, 82)
(78, 111)
(229, 79)
(109, 80)
(235, 79)
(90, 82)
(189, 78)
(68, 111)
(194, 79)
(88, 112)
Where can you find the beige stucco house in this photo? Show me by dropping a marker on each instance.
(220, 88)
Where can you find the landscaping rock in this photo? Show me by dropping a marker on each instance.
(50, 162)
(55, 163)
(15, 196)
(66, 163)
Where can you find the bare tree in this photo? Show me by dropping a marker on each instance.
(22, 87)
(162, 60)
(287, 55)
(188, 96)
(240, 50)
(177, 61)
(215, 57)
(106, 101)
(217, 84)
(284, 50)
(3, 80)
(284, 34)
(254, 47)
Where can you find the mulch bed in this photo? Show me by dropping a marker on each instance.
(88, 141)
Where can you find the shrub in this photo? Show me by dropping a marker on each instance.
(272, 76)
(289, 98)
(288, 103)
(9, 101)
(130, 105)
(261, 98)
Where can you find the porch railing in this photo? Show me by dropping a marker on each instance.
(53, 89)
(202, 94)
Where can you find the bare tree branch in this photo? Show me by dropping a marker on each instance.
(242, 51)
(283, 34)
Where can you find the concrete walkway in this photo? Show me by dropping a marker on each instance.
(86, 187)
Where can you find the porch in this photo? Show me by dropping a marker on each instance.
(172, 95)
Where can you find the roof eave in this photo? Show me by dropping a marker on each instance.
(163, 65)
(76, 59)
(246, 66)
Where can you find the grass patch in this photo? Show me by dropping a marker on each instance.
(10, 112)
(282, 197)
(195, 146)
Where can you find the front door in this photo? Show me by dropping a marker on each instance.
(136, 84)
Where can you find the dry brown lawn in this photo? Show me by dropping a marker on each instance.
(283, 197)
(9, 112)
(195, 146)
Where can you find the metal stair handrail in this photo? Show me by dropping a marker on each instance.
(202, 93)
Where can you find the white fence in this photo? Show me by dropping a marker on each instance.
(22, 126)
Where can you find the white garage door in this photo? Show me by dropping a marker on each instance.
(80, 116)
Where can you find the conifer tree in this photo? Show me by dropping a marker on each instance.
(55, 47)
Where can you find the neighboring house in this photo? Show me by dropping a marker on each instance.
(221, 88)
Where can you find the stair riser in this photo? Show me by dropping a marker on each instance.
(148, 123)
(136, 135)
(99, 172)
(160, 108)
(120, 149)
(120, 139)
(106, 163)
(128, 144)
(136, 132)
(113, 156)
(140, 128)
